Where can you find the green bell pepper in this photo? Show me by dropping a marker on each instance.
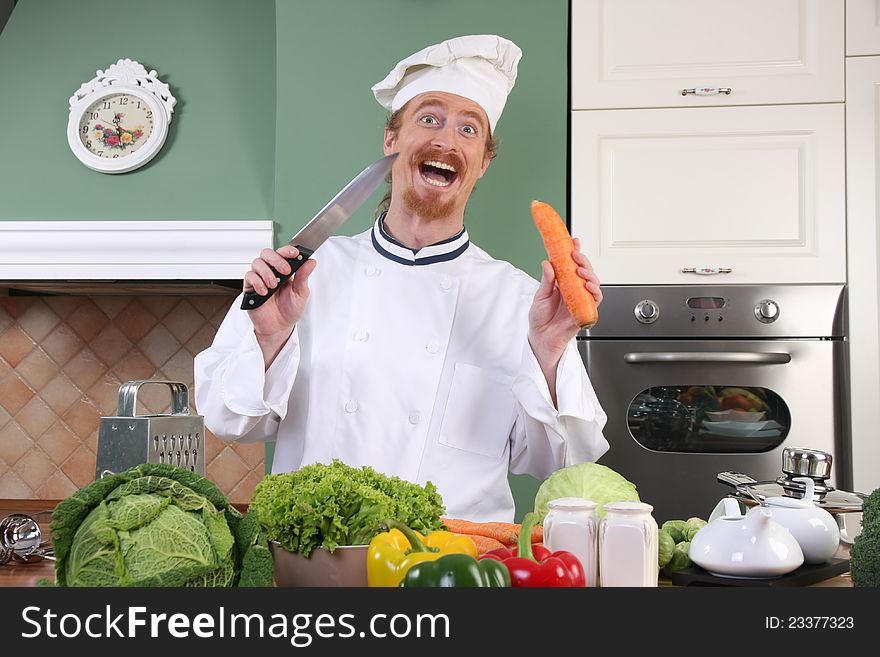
(457, 570)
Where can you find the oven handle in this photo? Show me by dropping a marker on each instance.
(750, 357)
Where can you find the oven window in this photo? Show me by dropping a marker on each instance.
(708, 419)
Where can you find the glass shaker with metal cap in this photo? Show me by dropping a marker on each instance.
(571, 524)
(628, 545)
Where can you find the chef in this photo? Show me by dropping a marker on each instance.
(407, 347)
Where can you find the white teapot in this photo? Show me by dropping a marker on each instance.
(814, 528)
(753, 545)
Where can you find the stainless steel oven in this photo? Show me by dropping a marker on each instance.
(698, 380)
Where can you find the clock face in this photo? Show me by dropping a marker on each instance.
(116, 125)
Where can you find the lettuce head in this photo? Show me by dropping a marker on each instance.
(589, 481)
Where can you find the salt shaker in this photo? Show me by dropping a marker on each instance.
(628, 545)
(571, 524)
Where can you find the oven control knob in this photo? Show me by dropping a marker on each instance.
(647, 311)
(767, 311)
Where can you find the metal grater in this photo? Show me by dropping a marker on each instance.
(128, 439)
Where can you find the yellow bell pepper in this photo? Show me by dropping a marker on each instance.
(391, 554)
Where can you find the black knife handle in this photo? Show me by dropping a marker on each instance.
(253, 300)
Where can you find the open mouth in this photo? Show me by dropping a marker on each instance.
(438, 174)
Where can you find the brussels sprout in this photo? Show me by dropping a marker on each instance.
(692, 526)
(666, 545)
(675, 528)
(680, 558)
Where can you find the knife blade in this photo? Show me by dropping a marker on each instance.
(337, 211)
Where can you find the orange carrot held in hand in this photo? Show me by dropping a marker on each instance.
(560, 246)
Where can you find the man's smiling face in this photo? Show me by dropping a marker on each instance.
(442, 144)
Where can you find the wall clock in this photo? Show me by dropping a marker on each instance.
(119, 119)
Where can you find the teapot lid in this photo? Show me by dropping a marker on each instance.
(805, 502)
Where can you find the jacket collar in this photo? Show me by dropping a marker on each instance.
(387, 246)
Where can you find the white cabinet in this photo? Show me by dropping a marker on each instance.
(758, 190)
(643, 53)
(863, 209)
(862, 27)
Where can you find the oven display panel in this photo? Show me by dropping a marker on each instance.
(706, 303)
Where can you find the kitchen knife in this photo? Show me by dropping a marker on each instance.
(325, 223)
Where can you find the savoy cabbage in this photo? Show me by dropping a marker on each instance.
(157, 525)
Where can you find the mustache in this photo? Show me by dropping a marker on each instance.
(435, 154)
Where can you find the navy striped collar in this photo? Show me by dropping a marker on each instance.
(387, 246)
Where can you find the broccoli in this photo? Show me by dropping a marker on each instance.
(864, 557)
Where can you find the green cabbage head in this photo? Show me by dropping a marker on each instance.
(590, 481)
(157, 525)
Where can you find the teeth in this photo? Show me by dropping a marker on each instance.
(436, 183)
(441, 165)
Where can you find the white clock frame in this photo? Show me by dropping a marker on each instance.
(125, 76)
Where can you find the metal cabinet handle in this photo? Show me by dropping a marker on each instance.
(706, 270)
(747, 357)
(706, 91)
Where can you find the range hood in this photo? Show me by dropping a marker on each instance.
(129, 257)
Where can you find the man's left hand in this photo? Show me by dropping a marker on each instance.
(551, 326)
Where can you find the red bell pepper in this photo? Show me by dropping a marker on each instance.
(534, 565)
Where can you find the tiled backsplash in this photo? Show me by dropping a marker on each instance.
(62, 361)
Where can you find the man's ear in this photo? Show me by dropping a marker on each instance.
(486, 161)
(388, 143)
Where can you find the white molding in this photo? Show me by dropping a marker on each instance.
(130, 250)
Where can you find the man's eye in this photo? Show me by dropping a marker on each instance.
(429, 119)
(470, 129)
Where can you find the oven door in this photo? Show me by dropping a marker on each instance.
(680, 412)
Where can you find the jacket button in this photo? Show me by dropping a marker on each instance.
(371, 270)
(362, 336)
(351, 406)
(432, 348)
(446, 284)
(414, 418)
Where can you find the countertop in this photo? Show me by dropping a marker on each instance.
(16, 573)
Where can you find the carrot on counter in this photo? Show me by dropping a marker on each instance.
(484, 543)
(559, 247)
(506, 533)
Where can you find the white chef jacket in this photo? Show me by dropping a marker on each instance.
(414, 362)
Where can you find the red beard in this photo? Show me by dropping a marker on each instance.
(429, 204)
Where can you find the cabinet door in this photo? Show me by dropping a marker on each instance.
(758, 190)
(643, 53)
(863, 209)
(862, 27)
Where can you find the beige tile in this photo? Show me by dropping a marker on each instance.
(13, 487)
(87, 320)
(91, 442)
(60, 393)
(111, 305)
(134, 366)
(82, 418)
(14, 393)
(179, 368)
(110, 345)
(63, 305)
(201, 339)
(6, 319)
(159, 345)
(105, 394)
(59, 442)
(80, 467)
(250, 453)
(4, 417)
(135, 321)
(209, 304)
(159, 304)
(37, 369)
(213, 446)
(183, 321)
(35, 468)
(227, 470)
(84, 369)
(62, 344)
(57, 487)
(244, 490)
(217, 318)
(38, 321)
(15, 307)
(14, 443)
(5, 367)
(154, 398)
(35, 417)
(15, 345)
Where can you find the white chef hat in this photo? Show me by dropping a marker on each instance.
(481, 67)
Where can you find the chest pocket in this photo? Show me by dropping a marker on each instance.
(479, 412)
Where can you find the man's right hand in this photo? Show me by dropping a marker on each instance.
(275, 320)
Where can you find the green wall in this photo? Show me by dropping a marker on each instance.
(274, 111)
(218, 56)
